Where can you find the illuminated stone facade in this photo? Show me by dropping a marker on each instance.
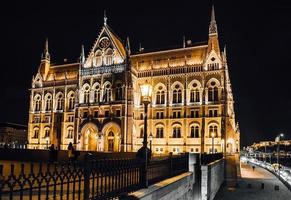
(96, 102)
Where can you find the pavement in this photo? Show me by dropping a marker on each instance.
(244, 191)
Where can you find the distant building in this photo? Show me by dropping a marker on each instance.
(14, 135)
(270, 144)
(96, 103)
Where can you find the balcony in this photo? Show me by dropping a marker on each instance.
(176, 141)
(118, 68)
(193, 141)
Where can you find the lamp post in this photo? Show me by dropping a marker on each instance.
(151, 139)
(146, 92)
(277, 139)
(212, 136)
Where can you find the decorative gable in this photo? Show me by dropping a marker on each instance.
(212, 61)
(107, 50)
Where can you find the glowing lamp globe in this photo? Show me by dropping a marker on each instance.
(213, 134)
(146, 91)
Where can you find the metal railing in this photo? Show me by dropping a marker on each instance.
(91, 179)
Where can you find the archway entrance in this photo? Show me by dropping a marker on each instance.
(89, 137)
(230, 146)
(111, 132)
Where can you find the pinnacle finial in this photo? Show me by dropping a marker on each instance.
(212, 14)
(82, 56)
(184, 42)
(45, 54)
(46, 45)
(105, 18)
(212, 26)
(128, 46)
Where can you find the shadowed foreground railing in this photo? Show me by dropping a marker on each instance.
(90, 179)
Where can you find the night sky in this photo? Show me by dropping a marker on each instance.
(257, 35)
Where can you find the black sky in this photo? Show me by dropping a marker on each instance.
(257, 35)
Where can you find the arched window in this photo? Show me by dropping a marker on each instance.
(118, 92)
(48, 102)
(46, 132)
(109, 57)
(35, 133)
(60, 101)
(194, 131)
(177, 94)
(37, 103)
(176, 132)
(98, 58)
(213, 129)
(107, 92)
(194, 95)
(86, 89)
(213, 91)
(159, 132)
(160, 95)
(71, 101)
(70, 132)
(97, 93)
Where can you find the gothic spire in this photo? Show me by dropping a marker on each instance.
(127, 46)
(212, 26)
(105, 18)
(82, 56)
(46, 54)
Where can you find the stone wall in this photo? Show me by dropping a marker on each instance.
(179, 187)
(212, 176)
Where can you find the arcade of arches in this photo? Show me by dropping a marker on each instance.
(108, 139)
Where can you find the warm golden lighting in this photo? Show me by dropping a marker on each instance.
(146, 91)
(151, 137)
(213, 134)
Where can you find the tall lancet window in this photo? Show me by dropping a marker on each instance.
(48, 102)
(37, 103)
(60, 101)
(160, 95)
(107, 92)
(177, 94)
(194, 92)
(213, 91)
(98, 58)
(86, 89)
(118, 92)
(71, 101)
(109, 57)
(96, 93)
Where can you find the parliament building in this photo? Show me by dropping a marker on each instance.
(95, 103)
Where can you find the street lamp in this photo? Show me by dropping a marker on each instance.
(212, 136)
(146, 93)
(277, 139)
(151, 139)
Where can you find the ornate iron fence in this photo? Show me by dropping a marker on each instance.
(91, 179)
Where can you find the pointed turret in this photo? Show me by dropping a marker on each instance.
(127, 46)
(224, 53)
(105, 18)
(213, 43)
(45, 61)
(82, 55)
(212, 26)
(45, 54)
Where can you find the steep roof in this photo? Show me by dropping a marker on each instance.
(63, 71)
(194, 55)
